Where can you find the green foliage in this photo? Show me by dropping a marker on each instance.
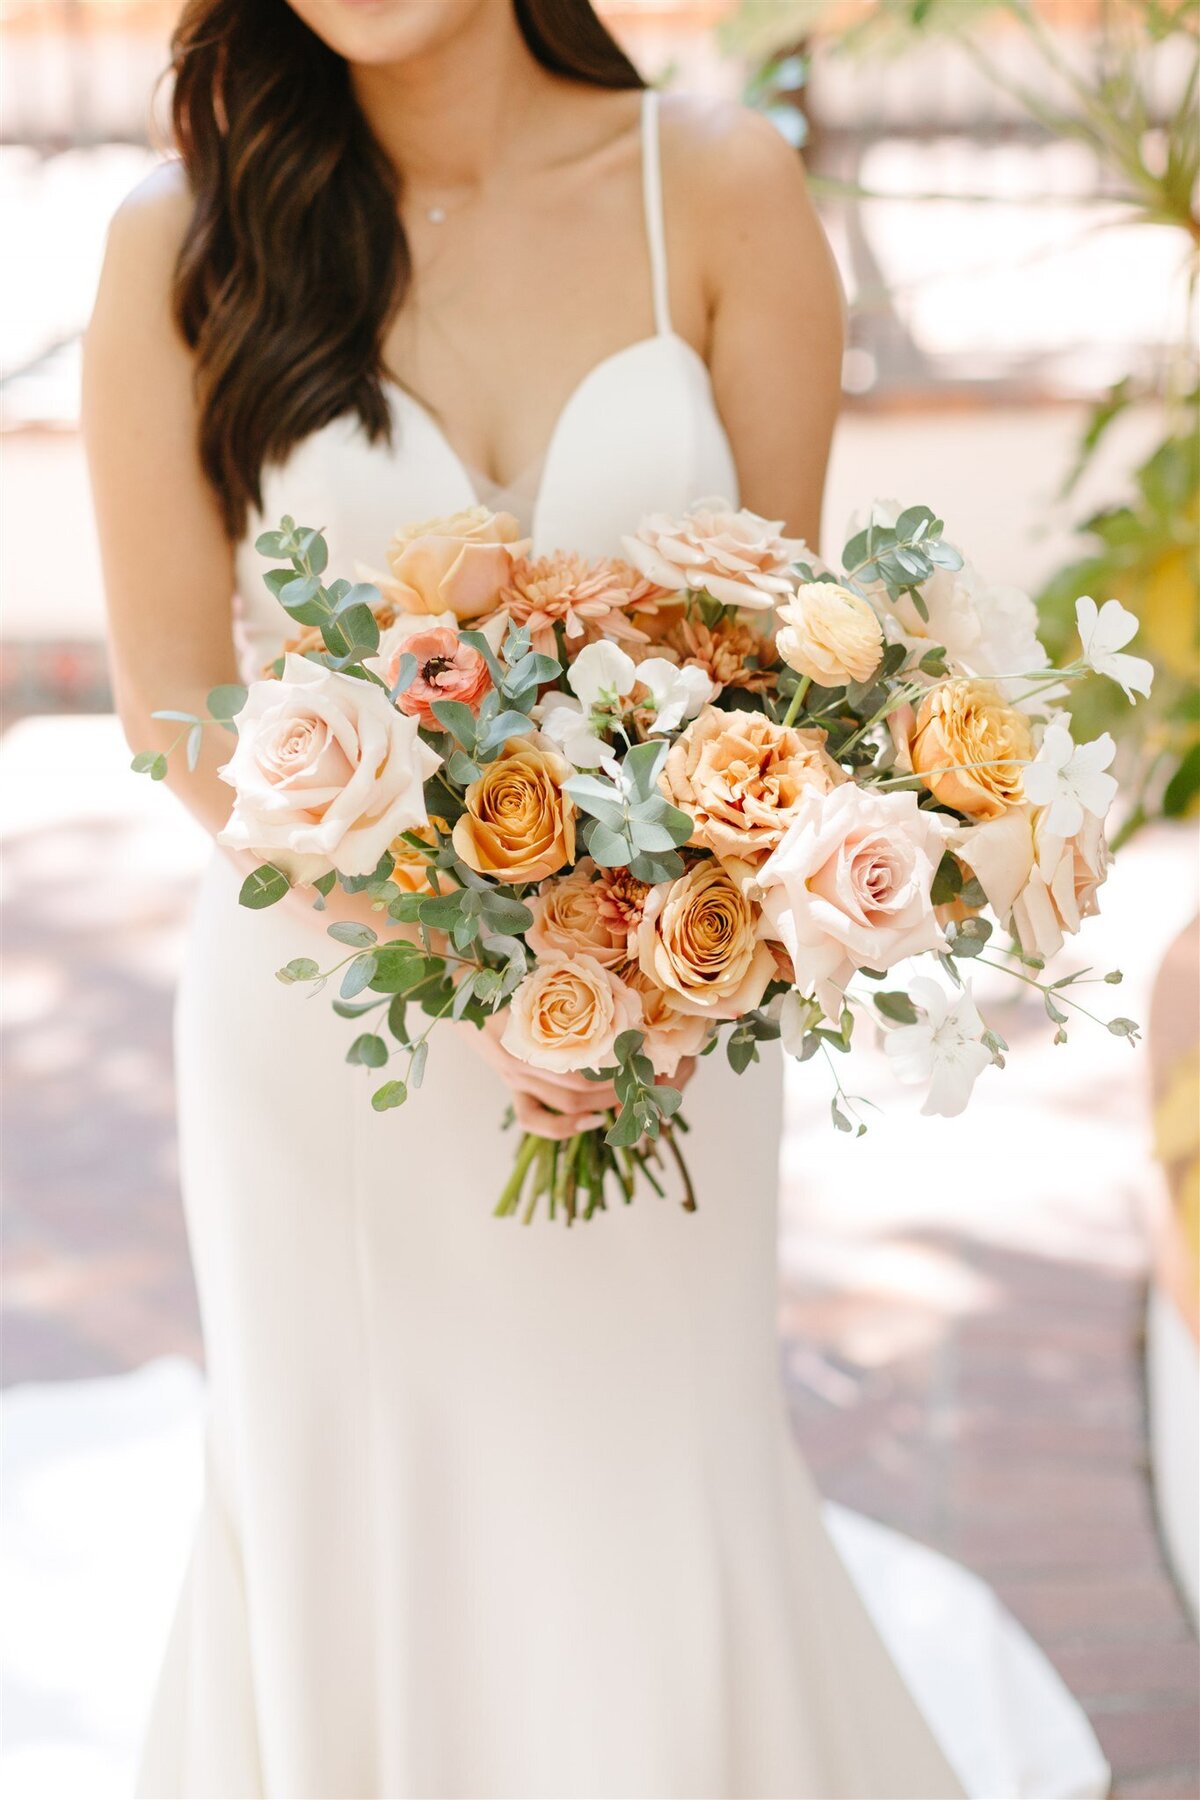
(264, 887)
(630, 822)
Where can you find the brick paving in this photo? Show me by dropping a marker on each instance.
(966, 1371)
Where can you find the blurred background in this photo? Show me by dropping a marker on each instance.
(1003, 1365)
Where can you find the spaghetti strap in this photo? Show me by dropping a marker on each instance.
(652, 201)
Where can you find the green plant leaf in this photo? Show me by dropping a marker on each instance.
(358, 975)
(301, 968)
(357, 937)
(611, 849)
(458, 720)
(150, 762)
(369, 1050)
(896, 1006)
(264, 887)
(392, 1093)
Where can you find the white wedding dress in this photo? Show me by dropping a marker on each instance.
(492, 1510)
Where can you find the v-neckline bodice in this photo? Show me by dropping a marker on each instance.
(608, 368)
(639, 432)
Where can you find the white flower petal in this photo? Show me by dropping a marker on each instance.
(1102, 632)
(601, 670)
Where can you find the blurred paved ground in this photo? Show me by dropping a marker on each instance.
(961, 1302)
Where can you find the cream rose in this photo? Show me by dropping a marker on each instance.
(518, 824)
(325, 774)
(571, 914)
(829, 634)
(849, 887)
(1040, 886)
(970, 747)
(741, 777)
(736, 557)
(459, 564)
(699, 939)
(568, 1013)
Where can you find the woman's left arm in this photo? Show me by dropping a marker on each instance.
(777, 315)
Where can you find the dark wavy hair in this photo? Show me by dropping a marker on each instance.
(295, 259)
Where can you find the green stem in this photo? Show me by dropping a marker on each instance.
(689, 1192)
(797, 701)
(1043, 987)
(511, 1192)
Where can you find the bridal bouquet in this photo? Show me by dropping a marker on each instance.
(619, 809)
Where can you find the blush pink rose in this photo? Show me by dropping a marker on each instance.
(849, 887)
(447, 669)
(325, 774)
(737, 557)
(1039, 885)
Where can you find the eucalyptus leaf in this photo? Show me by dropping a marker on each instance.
(225, 702)
(392, 1093)
(301, 968)
(356, 936)
(264, 887)
(610, 849)
(458, 720)
(358, 975)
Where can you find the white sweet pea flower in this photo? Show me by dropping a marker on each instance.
(1102, 632)
(601, 675)
(944, 1048)
(678, 694)
(1069, 780)
(569, 729)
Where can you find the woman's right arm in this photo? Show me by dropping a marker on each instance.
(166, 558)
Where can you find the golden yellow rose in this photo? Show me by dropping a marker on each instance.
(699, 940)
(741, 777)
(829, 634)
(970, 746)
(518, 824)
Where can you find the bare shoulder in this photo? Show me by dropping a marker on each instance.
(728, 154)
(148, 227)
(133, 350)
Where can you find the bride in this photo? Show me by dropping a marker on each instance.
(488, 1511)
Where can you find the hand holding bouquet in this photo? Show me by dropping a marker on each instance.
(625, 808)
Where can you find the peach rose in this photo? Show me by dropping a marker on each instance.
(849, 887)
(518, 824)
(458, 564)
(737, 557)
(568, 1013)
(700, 941)
(1039, 885)
(325, 774)
(829, 634)
(570, 914)
(447, 669)
(741, 777)
(967, 723)
(673, 1037)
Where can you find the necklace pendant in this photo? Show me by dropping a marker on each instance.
(436, 215)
